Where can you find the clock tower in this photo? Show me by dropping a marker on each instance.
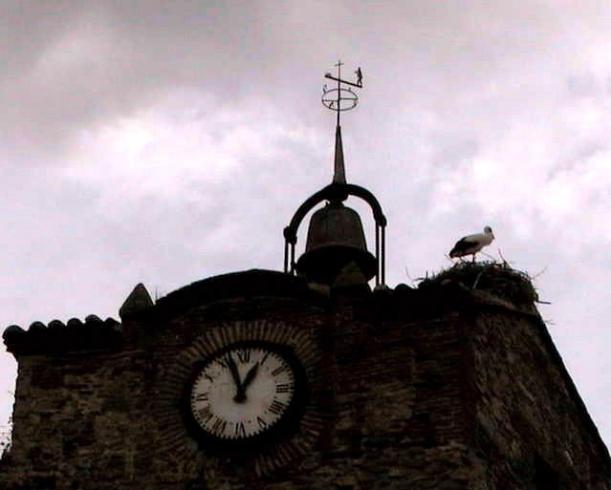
(316, 377)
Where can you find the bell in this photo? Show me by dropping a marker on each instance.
(335, 240)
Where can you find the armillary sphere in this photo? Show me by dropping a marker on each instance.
(339, 99)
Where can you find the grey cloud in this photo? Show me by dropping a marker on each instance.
(74, 64)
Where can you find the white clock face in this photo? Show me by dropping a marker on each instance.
(242, 392)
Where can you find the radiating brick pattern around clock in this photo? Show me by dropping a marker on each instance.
(217, 336)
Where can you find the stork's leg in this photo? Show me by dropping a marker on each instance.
(473, 259)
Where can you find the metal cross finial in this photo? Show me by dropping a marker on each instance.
(341, 99)
(339, 65)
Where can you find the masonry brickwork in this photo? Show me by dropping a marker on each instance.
(438, 387)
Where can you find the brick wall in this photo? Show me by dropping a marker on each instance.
(436, 388)
(527, 412)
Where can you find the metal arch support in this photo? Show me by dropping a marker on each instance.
(338, 192)
(369, 198)
(290, 232)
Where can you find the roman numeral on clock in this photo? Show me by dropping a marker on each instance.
(262, 423)
(244, 355)
(201, 397)
(277, 407)
(224, 362)
(219, 426)
(279, 370)
(240, 430)
(205, 415)
(283, 388)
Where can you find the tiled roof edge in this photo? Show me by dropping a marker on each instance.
(58, 338)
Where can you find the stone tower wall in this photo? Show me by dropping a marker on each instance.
(439, 388)
(529, 419)
(80, 419)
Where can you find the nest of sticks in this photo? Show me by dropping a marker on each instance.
(495, 278)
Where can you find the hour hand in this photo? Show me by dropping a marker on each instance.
(241, 395)
(249, 377)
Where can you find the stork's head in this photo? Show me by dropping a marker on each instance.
(488, 231)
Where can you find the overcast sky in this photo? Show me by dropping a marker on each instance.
(166, 142)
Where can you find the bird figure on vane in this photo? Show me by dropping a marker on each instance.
(471, 244)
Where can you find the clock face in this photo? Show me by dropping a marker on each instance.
(243, 392)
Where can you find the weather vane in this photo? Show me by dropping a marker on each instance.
(341, 99)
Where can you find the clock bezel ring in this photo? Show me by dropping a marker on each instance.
(286, 426)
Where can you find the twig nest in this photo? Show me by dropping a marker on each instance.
(494, 278)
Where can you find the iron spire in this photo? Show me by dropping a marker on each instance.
(332, 99)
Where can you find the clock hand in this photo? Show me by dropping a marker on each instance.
(241, 394)
(234, 373)
(250, 376)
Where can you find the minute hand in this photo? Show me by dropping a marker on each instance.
(234, 373)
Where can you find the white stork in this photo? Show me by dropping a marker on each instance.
(471, 244)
